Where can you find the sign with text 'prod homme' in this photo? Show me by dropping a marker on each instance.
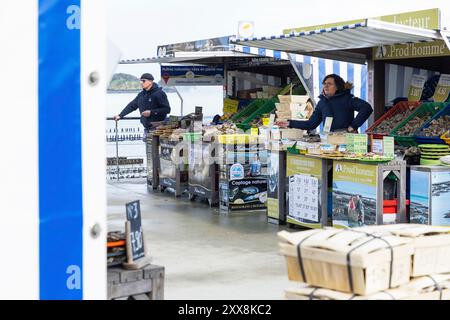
(136, 231)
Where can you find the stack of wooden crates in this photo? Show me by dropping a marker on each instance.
(393, 262)
(293, 108)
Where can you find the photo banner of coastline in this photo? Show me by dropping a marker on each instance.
(354, 194)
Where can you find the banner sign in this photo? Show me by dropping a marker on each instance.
(215, 44)
(177, 76)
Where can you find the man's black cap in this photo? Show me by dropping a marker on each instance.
(147, 76)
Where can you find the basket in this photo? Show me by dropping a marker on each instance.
(399, 107)
(432, 140)
(347, 260)
(408, 141)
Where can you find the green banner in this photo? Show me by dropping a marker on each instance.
(426, 19)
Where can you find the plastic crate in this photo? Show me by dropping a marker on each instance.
(248, 110)
(399, 107)
(267, 107)
(432, 140)
(446, 138)
(408, 141)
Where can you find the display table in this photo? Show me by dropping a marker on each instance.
(203, 172)
(359, 192)
(144, 284)
(242, 175)
(173, 167)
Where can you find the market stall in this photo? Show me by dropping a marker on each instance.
(371, 178)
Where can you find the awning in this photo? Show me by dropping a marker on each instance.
(193, 57)
(366, 34)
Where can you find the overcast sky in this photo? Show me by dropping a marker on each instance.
(138, 26)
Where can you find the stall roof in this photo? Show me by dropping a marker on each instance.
(193, 57)
(365, 34)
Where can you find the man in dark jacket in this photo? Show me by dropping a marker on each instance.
(338, 103)
(152, 103)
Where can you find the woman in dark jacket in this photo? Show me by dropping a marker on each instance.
(337, 102)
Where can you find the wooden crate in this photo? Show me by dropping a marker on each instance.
(431, 246)
(347, 260)
(144, 284)
(436, 287)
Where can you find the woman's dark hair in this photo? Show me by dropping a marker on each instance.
(341, 85)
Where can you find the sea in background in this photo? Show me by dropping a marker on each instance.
(130, 132)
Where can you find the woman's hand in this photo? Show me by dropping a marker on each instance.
(282, 124)
(146, 113)
(351, 130)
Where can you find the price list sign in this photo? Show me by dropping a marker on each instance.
(443, 88)
(304, 197)
(416, 87)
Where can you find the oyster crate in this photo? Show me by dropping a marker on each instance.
(421, 139)
(399, 107)
(435, 287)
(431, 246)
(348, 260)
(408, 140)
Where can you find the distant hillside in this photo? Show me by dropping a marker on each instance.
(124, 82)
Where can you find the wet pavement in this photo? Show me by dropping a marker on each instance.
(207, 255)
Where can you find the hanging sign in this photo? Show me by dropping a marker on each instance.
(443, 89)
(416, 87)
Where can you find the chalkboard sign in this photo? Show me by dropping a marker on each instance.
(136, 237)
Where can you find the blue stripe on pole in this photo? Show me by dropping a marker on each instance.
(350, 72)
(336, 67)
(277, 55)
(60, 162)
(364, 92)
(307, 59)
(322, 73)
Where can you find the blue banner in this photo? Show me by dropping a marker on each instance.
(60, 161)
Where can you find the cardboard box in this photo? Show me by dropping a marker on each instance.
(293, 99)
(347, 260)
(291, 134)
(424, 288)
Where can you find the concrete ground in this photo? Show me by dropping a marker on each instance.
(207, 255)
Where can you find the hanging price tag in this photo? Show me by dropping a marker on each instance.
(416, 87)
(443, 89)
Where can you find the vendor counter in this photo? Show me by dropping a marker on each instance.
(323, 191)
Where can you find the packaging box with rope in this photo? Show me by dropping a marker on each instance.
(350, 261)
(434, 287)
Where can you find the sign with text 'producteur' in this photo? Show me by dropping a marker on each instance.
(426, 19)
(178, 76)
